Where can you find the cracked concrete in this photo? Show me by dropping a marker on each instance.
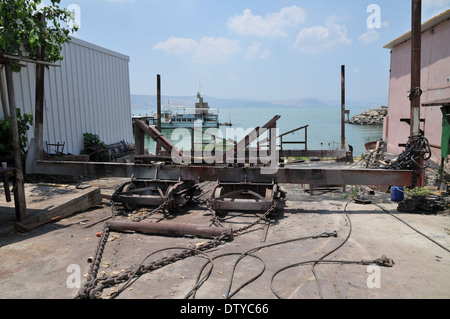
(36, 265)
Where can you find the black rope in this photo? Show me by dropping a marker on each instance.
(415, 93)
(417, 148)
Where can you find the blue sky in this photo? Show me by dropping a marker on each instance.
(253, 49)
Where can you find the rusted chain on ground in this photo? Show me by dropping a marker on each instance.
(94, 286)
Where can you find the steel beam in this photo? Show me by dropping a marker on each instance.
(313, 153)
(170, 229)
(230, 174)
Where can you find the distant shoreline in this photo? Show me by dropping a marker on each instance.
(149, 102)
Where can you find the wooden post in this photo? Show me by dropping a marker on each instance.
(158, 84)
(19, 188)
(416, 46)
(139, 141)
(343, 141)
(416, 92)
(39, 98)
(3, 96)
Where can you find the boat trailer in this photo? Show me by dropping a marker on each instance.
(137, 192)
(246, 197)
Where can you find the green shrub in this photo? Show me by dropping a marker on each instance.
(95, 147)
(6, 139)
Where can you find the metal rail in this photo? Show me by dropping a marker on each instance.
(231, 174)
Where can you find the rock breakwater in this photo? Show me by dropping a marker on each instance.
(370, 117)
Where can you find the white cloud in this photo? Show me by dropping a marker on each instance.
(322, 38)
(436, 4)
(254, 51)
(265, 54)
(177, 46)
(207, 50)
(370, 36)
(432, 8)
(272, 26)
(215, 49)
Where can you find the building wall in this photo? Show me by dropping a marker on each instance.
(89, 93)
(435, 78)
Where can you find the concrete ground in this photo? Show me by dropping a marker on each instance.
(50, 262)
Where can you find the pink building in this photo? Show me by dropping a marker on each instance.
(435, 78)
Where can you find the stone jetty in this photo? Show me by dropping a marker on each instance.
(370, 117)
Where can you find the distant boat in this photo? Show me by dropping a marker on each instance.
(226, 123)
(181, 117)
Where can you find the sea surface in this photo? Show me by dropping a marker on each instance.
(324, 130)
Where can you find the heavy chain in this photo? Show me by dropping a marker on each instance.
(158, 209)
(94, 286)
(107, 282)
(263, 217)
(216, 220)
(86, 292)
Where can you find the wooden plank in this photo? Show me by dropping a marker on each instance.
(26, 228)
(61, 204)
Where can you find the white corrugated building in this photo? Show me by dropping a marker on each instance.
(89, 93)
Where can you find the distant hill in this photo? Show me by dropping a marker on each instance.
(300, 102)
(149, 102)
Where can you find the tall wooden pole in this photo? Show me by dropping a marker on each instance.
(19, 192)
(416, 92)
(39, 99)
(158, 105)
(343, 141)
(3, 96)
(416, 53)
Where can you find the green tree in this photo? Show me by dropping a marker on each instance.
(6, 140)
(21, 32)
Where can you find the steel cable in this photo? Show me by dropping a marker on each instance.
(230, 294)
(135, 274)
(419, 232)
(315, 262)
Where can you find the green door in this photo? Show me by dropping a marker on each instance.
(445, 130)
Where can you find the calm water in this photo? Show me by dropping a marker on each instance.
(324, 131)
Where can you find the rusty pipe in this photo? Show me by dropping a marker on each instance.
(170, 229)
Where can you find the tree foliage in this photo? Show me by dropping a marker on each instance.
(6, 138)
(21, 32)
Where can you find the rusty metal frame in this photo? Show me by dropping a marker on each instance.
(227, 173)
(155, 193)
(246, 196)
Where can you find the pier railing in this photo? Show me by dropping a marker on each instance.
(304, 142)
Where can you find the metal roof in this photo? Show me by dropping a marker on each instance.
(442, 102)
(425, 26)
